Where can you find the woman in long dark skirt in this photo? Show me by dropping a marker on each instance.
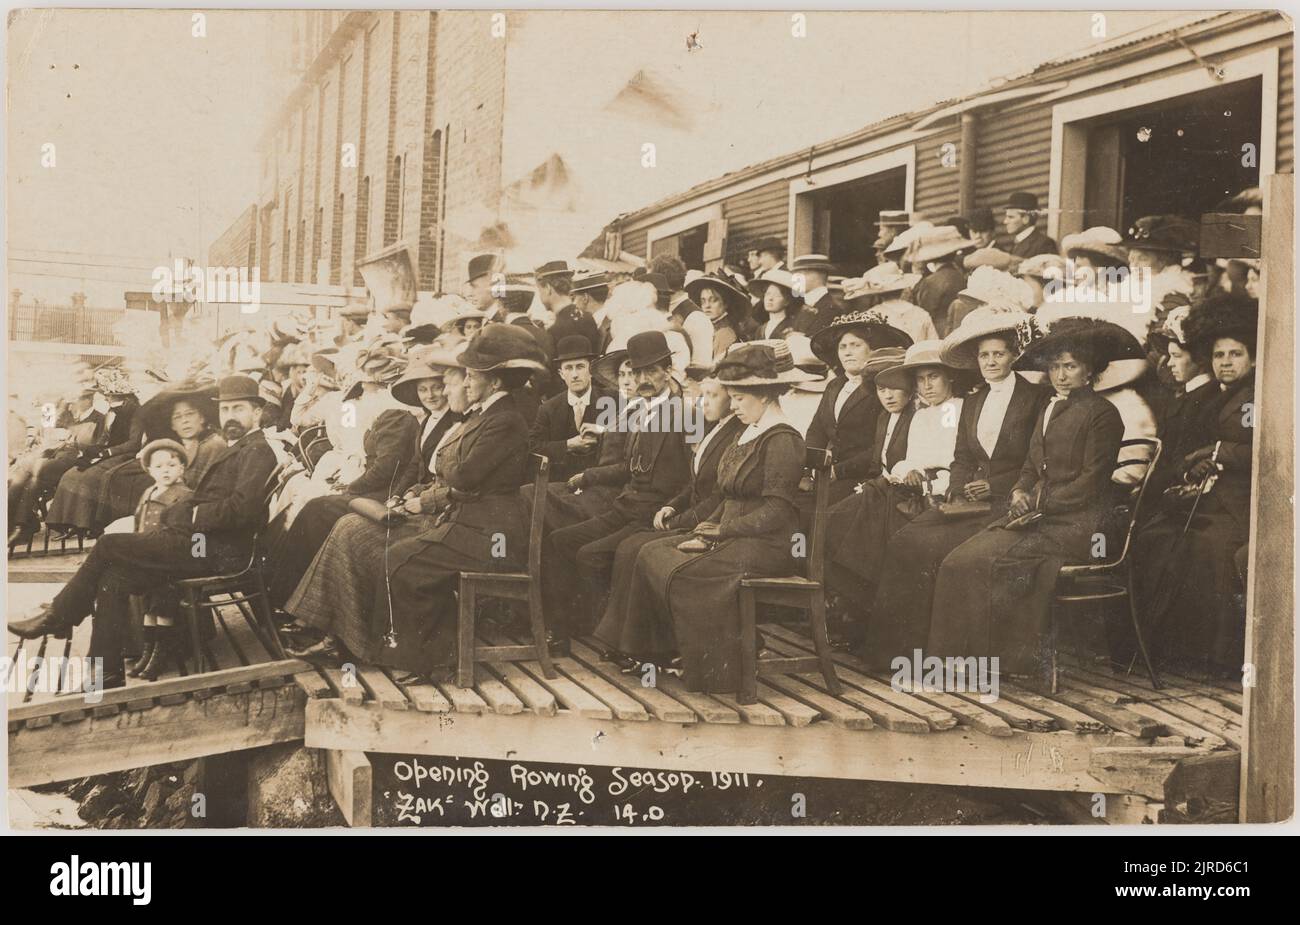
(396, 444)
(388, 593)
(628, 642)
(1190, 589)
(90, 500)
(859, 528)
(993, 594)
(993, 432)
(690, 587)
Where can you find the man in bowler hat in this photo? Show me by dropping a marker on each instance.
(1020, 220)
(211, 533)
(577, 560)
(564, 430)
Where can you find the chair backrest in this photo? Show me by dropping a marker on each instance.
(538, 515)
(311, 439)
(1139, 493)
(819, 461)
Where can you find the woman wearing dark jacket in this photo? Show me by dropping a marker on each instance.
(993, 594)
(680, 515)
(387, 592)
(1190, 590)
(690, 587)
(993, 434)
(121, 439)
(395, 444)
(845, 420)
(91, 499)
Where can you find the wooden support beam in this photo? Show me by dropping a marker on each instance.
(351, 784)
(1268, 771)
(139, 738)
(1026, 761)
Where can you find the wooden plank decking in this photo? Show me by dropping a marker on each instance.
(1103, 732)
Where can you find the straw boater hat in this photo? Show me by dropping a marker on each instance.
(162, 443)
(503, 346)
(766, 362)
(1108, 342)
(921, 354)
(882, 279)
(1097, 241)
(818, 262)
(960, 346)
(871, 326)
(881, 360)
(938, 242)
(552, 268)
(732, 295)
(906, 238)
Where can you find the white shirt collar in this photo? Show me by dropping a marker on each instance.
(1005, 385)
(1025, 232)
(489, 401)
(576, 400)
(811, 297)
(1194, 383)
(771, 417)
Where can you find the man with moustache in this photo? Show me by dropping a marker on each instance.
(211, 533)
(577, 561)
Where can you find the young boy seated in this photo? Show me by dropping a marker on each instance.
(165, 460)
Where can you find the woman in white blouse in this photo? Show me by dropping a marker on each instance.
(860, 526)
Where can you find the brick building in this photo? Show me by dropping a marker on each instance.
(353, 162)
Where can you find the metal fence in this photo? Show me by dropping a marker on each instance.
(65, 324)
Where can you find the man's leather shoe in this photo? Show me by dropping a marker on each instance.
(44, 623)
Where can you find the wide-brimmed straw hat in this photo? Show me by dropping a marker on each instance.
(766, 362)
(406, 389)
(907, 237)
(1107, 341)
(733, 296)
(999, 289)
(960, 346)
(938, 242)
(382, 362)
(871, 325)
(503, 346)
(1097, 241)
(882, 279)
(919, 355)
(782, 279)
(881, 360)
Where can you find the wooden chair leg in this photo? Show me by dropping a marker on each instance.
(748, 692)
(263, 605)
(822, 642)
(465, 635)
(196, 647)
(1137, 633)
(539, 630)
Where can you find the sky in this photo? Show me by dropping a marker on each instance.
(155, 130)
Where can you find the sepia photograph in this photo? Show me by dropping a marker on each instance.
(740, 421)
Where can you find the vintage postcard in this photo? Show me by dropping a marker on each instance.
(629, 419)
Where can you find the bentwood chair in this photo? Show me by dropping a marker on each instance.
(800, 592)
(519, 586)
(245, 589)
(1110, 580)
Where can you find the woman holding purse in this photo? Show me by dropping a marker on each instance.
(690, 587)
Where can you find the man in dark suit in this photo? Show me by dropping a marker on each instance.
(1021, 224)
(555, 291)
(813, 271)
(558, 431)
(939, 251)
(590, 292)
(210, 533)
(577, 560)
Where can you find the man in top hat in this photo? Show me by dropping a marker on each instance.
(211, 533)
(577, 560)
(590, 292)
(555, 292)
(1020, 221)
(813, 272)
(565, 429)
(484, 279)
